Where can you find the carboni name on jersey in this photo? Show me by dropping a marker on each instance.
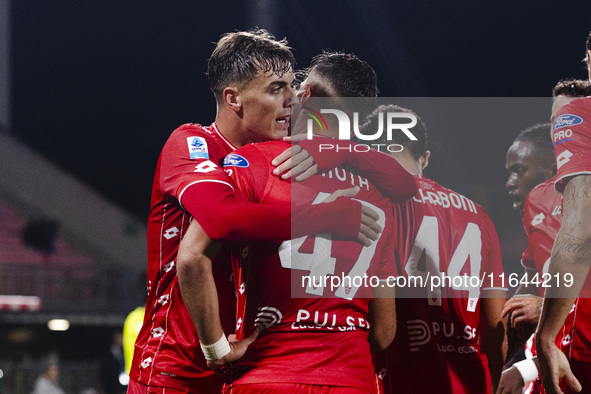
(445, 200)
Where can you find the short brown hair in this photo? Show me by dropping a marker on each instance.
(240, 56)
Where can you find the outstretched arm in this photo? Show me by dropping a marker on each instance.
(571, 255)
(308, 158)
(217, 208)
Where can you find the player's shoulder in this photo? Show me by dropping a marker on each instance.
(543, 190)
(430, 185)
(258, 155)
(568, 114)
(256, 152)
(456, 203)
(195, 129)
(201, 142)
(268, 148)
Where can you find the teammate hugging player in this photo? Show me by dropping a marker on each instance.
(250, 74)
(317, 344)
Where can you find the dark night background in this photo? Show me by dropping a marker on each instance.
(97, 86)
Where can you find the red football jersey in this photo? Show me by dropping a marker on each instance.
(440, 234)
(167, 352)
(316, 332)
(571, 134)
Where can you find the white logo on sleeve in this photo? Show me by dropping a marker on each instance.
(205, 167)
(157, 332)
(146, 363)
(538, 219)
(563, 158)
(171, 233)
(164, 299)
(168, 267)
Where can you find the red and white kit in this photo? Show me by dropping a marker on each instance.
(167, 352)
(436, 345)
(315, 334)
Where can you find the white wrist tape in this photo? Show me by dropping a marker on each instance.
(217, 350)
(528, 370)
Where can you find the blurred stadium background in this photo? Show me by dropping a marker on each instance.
(90, 91)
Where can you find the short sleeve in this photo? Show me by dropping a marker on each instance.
(190, 156)
(571, 135)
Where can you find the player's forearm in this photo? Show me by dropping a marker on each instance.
(571, 258)
(492, 333)
(197, 285)
(382, 318)
(200, 296)
(227, 217)
(492, 346)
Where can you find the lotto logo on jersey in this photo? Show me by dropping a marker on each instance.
(567, 120)
(563, 158)
(197, 148)
(234, 160)
(538, 219)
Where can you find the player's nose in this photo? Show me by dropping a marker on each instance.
(511, 183)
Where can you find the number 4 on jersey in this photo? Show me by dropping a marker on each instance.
(314, 254)
(424, 260)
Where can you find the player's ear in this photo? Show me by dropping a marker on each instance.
(424, 160)
(307, 91)
(230, 97)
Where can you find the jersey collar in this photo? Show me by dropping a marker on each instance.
(215, 128)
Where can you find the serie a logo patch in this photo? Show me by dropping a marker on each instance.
(197, 148)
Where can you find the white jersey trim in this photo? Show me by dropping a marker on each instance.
(203, 180)
(215, 128)
(558, 182)
(525, 266)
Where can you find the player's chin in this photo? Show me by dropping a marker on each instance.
(279, 133)
(518, 204)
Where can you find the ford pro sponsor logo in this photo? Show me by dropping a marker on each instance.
(567, 120)
(234, 160)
